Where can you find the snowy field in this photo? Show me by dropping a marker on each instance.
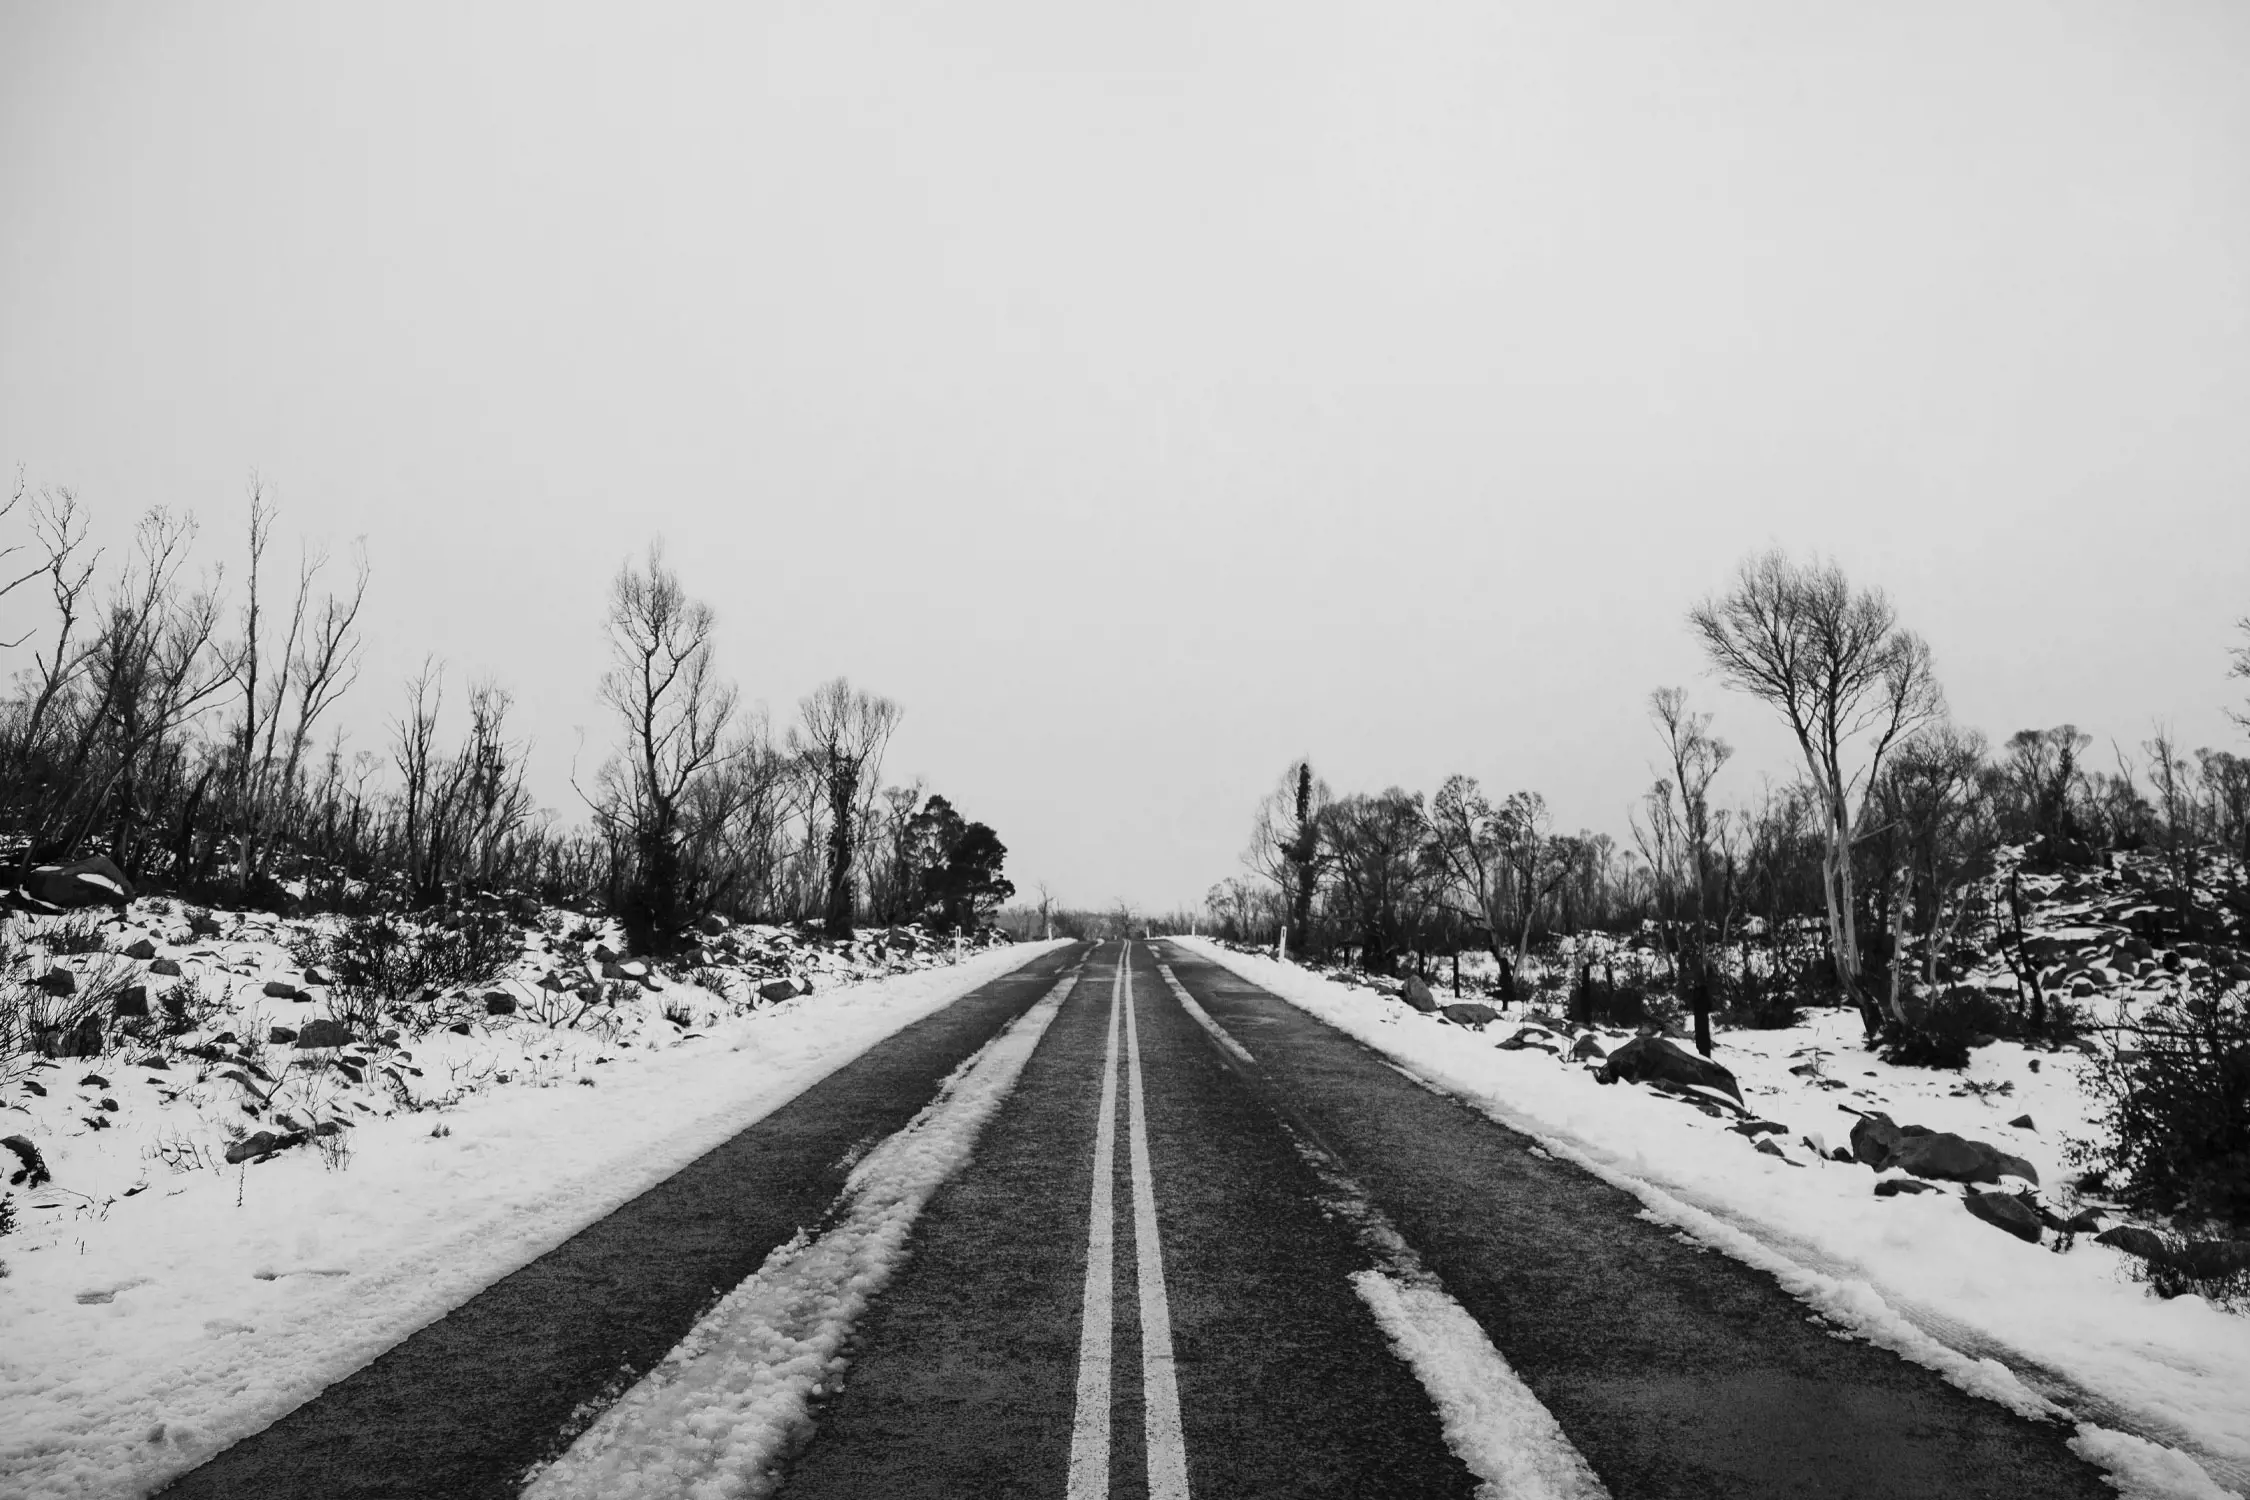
(162, 1303)
(2147, 1382)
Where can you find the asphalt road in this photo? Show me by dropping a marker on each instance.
(1142, 1284)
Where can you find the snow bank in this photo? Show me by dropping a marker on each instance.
(2038, 1331)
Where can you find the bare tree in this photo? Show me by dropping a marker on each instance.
(1677, 844)
(1471, 846)
(1286, 848)
(676, 714)
(2241, 667)
(1538, 862)
(1849, 681)
(284, 698)
(1934, 804)
(1376, 847)
(844, 732)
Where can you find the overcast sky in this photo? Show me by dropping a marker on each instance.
(1147, 394)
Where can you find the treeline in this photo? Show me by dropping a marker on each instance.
(185, 732)
(1856, 877)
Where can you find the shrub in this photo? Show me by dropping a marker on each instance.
(2176, 1104)
(186, 1005)
(384, 961)
(81, 932)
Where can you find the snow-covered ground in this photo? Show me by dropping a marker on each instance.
(161, 1303)
(2147, 1381)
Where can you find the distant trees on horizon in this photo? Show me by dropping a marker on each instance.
(1894, 808)
(187, 738)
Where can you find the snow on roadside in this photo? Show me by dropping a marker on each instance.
(1913, 1273)
(718, 1415)
(156, 1329)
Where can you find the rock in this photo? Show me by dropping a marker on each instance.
(1756, 1128)
(1528, 1036)
(93, 1081)
(2134, 1240)
(1475, 1017)
(281, 989)
(1417, 994)
(499, 1003)
(1891, 1187)
(604, 954)
(33, 1170)
(316, 976)
(92, 881)
(1955, 1158)
(778, 989)
(325, 1034)
(2211, 1260)
(2023, 1122)
(2006, 1211)
(131, 1001)
(612, 969)
(712, 925)
(144, 950)
(1652, 1058)
(168, 967)
(58, 981)
(1769, 1148)
(1875, 1138)
(459, 1028)
(281, 1035)
(1586, 1049)
(264, 1143)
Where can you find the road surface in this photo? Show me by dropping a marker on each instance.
(1187, 1256)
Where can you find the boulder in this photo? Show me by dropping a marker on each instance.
(281, 1036)
(131, 1001)
(315, 976)
(1586, 1049)
(612, 969)
(58, 981)
(264, 1143)
(1528, 1036)
(1770, 1149)
(2006, 1211)
(1417, 994)
(712, 926)
(1954, 1158)
(1891, 1187)
(144, 950)
(2023, 1122)
(33, 1170)
(168, 967)
(1649, 1059)
(281, 989)
(604, 954)
(499, 1003)
(325, 1034)
(1475, 1017)
(778, 989)
(92, 881)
